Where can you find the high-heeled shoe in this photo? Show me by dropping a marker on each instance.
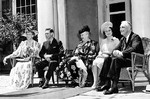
(111, 91)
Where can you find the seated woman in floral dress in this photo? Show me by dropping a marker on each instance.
(20, 75)
(106, 47)
(87, 48)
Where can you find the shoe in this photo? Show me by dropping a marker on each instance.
(105, 86)
(41, 83)
(101, 88)
(111, 91)
(93, 86)
(74, 84)
(45, 86)
(81, 85)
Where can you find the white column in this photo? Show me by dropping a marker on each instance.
(62, 22)
(55, 16)
(45, 17)
(0, 9)
(141, 17)
(14, 7)
(101, 16)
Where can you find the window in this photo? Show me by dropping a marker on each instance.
(117, 7)
(27, 7)
(117, 11)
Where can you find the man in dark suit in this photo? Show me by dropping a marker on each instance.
(50, 52)
(121, 57)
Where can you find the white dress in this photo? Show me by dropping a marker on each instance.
(20, 75)
(106, 48)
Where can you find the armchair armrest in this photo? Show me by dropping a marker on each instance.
(139, 60)
(137, 54)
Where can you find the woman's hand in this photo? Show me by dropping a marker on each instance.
(102, 55)
(4, 60)
(27, 59)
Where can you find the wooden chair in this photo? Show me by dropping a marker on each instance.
(140, 63)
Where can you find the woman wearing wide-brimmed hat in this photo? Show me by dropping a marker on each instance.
(87, 48)
(20, 75)
(106, 47)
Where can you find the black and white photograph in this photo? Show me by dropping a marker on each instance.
(74, 49)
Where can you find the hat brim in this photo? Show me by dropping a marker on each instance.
(35, 33)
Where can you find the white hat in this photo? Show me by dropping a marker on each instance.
(35, 33)
(105, 25)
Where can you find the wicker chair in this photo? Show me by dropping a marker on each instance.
(140, 63)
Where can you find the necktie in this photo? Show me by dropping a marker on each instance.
(124, 44)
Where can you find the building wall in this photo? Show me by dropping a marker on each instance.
(78, 14)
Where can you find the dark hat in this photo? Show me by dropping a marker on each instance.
(49, 29)
(85, 28)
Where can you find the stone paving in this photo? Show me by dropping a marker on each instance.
(124, 93)
(55, 92)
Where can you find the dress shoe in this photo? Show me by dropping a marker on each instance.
(104, 87)
(45, 86)
(41, 83)
(74, 84)
(111, 91)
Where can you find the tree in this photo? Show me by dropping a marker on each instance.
(13, 27)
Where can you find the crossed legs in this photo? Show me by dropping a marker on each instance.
(40, 68)
(96, 69)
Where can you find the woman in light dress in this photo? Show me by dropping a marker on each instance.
(20, 75)
(106, 47)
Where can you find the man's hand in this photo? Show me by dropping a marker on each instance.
(47, 57)
(117, 53)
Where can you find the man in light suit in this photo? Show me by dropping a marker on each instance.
(50, 51)
(121, 57)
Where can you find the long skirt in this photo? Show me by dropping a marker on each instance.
(20, 75)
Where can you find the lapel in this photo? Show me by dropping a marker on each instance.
(129, 40)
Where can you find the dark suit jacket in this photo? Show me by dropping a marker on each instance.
(55, 48)
(134, 44)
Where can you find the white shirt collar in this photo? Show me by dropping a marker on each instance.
(127, 37)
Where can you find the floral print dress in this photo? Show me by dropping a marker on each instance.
(84, 52)
(20, 75)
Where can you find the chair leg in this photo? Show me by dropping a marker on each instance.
(57, 79)
(32, 77)
(147, 76)
(123, 85)
(53, 79)
(133, 82)
(66, 82)
(131, 85)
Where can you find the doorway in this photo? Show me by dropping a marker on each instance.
(117, 11)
